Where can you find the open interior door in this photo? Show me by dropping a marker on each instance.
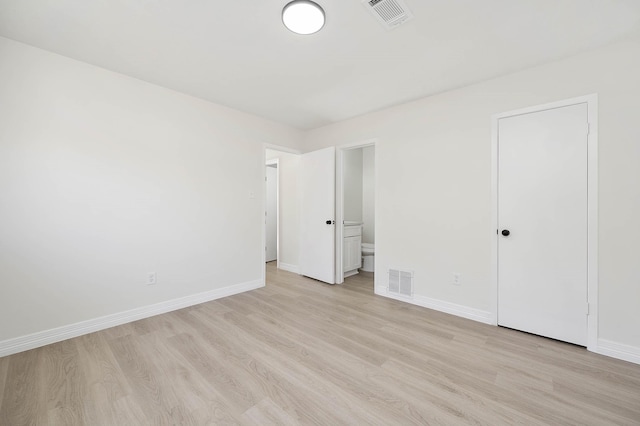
(317, 242)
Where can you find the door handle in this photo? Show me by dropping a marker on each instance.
(330, 222)
(506, 232)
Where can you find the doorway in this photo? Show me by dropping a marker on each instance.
(545, 217)
(355, 209)
(271, 211)
(285, 163)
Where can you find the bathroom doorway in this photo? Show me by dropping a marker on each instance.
(355, 210)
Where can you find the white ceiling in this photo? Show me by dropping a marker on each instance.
(238, 53)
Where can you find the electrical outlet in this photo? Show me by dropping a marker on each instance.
(456, 278)
(152, 278)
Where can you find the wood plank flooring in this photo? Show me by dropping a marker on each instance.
(302, 352)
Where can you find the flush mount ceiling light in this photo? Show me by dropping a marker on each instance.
(303, 17)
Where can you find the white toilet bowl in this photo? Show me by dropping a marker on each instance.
(368, 257)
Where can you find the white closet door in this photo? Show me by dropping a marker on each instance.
(542, 206)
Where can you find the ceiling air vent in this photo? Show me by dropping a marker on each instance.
(390, 13)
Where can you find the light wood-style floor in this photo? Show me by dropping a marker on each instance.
(302, 352)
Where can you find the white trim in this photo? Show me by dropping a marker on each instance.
(592, 207)
(359, 144)
(281, 149)
(47, 337)
(493, 276)
(263, 209)
(339, 215)
(592, 222)
(340, 199)
(440, 305)
(290, 268)
(618, 350)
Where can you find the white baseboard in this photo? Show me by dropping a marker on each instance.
(350, 273)
(291, 268)
(46, 337)
(440, 305)
(604, 347)
(618, 350)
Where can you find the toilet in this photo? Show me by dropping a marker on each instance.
(368, 257)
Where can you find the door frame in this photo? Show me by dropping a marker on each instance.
(592, 208)
(340, 200)
(268, 163)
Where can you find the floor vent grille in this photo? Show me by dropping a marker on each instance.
(401, 282)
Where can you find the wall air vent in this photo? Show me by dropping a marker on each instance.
(390, 13)
(401, 282)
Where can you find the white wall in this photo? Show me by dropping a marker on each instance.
(368, 194)
(104, 178)
(289, 168)
(433, 166)
(352, 175)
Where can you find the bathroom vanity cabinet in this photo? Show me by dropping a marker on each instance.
(352, 249)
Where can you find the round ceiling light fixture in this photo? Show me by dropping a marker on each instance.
(303, 17)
